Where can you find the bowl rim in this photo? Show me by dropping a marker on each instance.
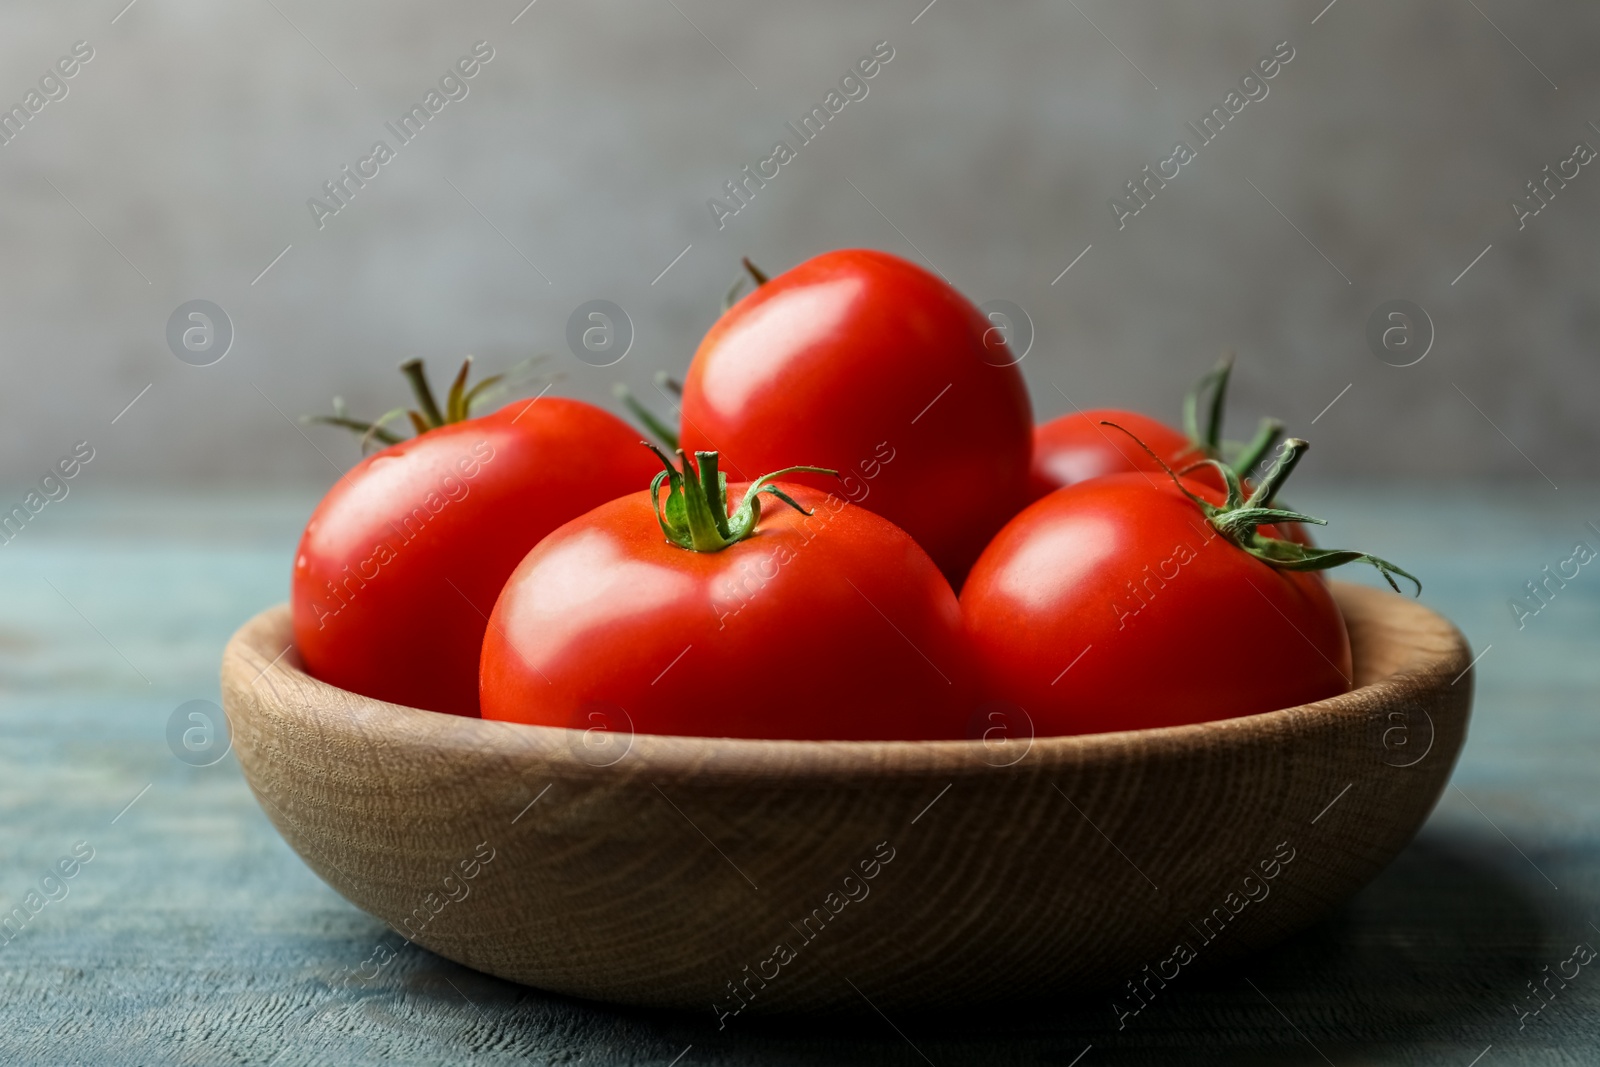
(670, 756)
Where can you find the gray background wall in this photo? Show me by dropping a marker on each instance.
(993, 140)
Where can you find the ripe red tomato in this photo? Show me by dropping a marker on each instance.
(401, 562)
(832, 625)
(1122, 603)
(860, 361)
(1078, 445)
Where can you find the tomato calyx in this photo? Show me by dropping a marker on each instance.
(427, 415)
(736, 290)
(1239, 517)
(1211, 391)
(695, 515)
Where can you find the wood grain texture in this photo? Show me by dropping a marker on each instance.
(671, 875)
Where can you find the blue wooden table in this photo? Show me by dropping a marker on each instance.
(188, 932)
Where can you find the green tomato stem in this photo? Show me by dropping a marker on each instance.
(695, 514)
(458, 405)
(412, 369)
(1211, 393)
(1257, 447)
(652, 423)
(736, 290)
(1282, 467)
(1211, 390)
(1238, 520)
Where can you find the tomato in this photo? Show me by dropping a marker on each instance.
(862, 362)
(1079, 446)
(401, 562)
(1125, 603)
(827, 624)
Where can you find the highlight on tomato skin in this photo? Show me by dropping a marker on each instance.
(401, 561)
(1114, 605)
(830, 626)
(857, 353)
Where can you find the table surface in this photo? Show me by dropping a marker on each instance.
(195, 935)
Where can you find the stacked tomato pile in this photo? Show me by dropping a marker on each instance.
(857, 449)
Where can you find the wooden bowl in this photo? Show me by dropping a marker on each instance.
(669, 870)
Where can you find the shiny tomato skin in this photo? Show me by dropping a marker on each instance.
(856, 355)
(1076, 447)
(1067, 622)
(401, 562)
(833, 627)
